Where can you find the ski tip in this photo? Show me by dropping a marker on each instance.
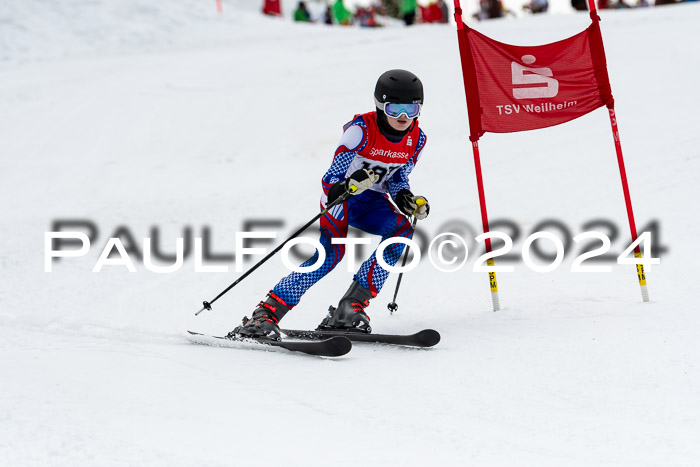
(338, 346)
(193, 334)
(429, 337)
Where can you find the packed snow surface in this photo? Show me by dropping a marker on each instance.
(164, 119)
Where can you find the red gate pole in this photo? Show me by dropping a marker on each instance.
(641, 277)
(493, 284)
(628, 201)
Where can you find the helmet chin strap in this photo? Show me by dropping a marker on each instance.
(387, 130)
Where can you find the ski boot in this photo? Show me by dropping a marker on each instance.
(265, 319)
(350, 313)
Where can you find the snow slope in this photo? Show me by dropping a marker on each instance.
(139, 116)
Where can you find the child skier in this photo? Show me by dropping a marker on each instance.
(377, 152)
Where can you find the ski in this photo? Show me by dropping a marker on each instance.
(424, 338)
(333, 346)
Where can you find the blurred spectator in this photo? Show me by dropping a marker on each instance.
(301, 14)
(342, 15)
(408, 11)
(431, 13)
(536, 6)
(582, 5)
(443, 9)
(272, 7)
(489, 9)
(377, 8)
(365, 17)
(328, 15)
(619, 4)
(612, 4)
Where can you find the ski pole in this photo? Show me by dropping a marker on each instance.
(340, 199)
(393, 306)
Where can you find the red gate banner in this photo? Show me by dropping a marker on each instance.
(515, 88)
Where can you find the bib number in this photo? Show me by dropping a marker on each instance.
(380, 170)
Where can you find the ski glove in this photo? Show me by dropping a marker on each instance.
(412, 205)
(361, 179)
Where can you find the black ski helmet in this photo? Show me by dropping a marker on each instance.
(399, 87)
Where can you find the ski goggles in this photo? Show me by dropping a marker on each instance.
(395, 110)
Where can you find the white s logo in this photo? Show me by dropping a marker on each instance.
(527, 75)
